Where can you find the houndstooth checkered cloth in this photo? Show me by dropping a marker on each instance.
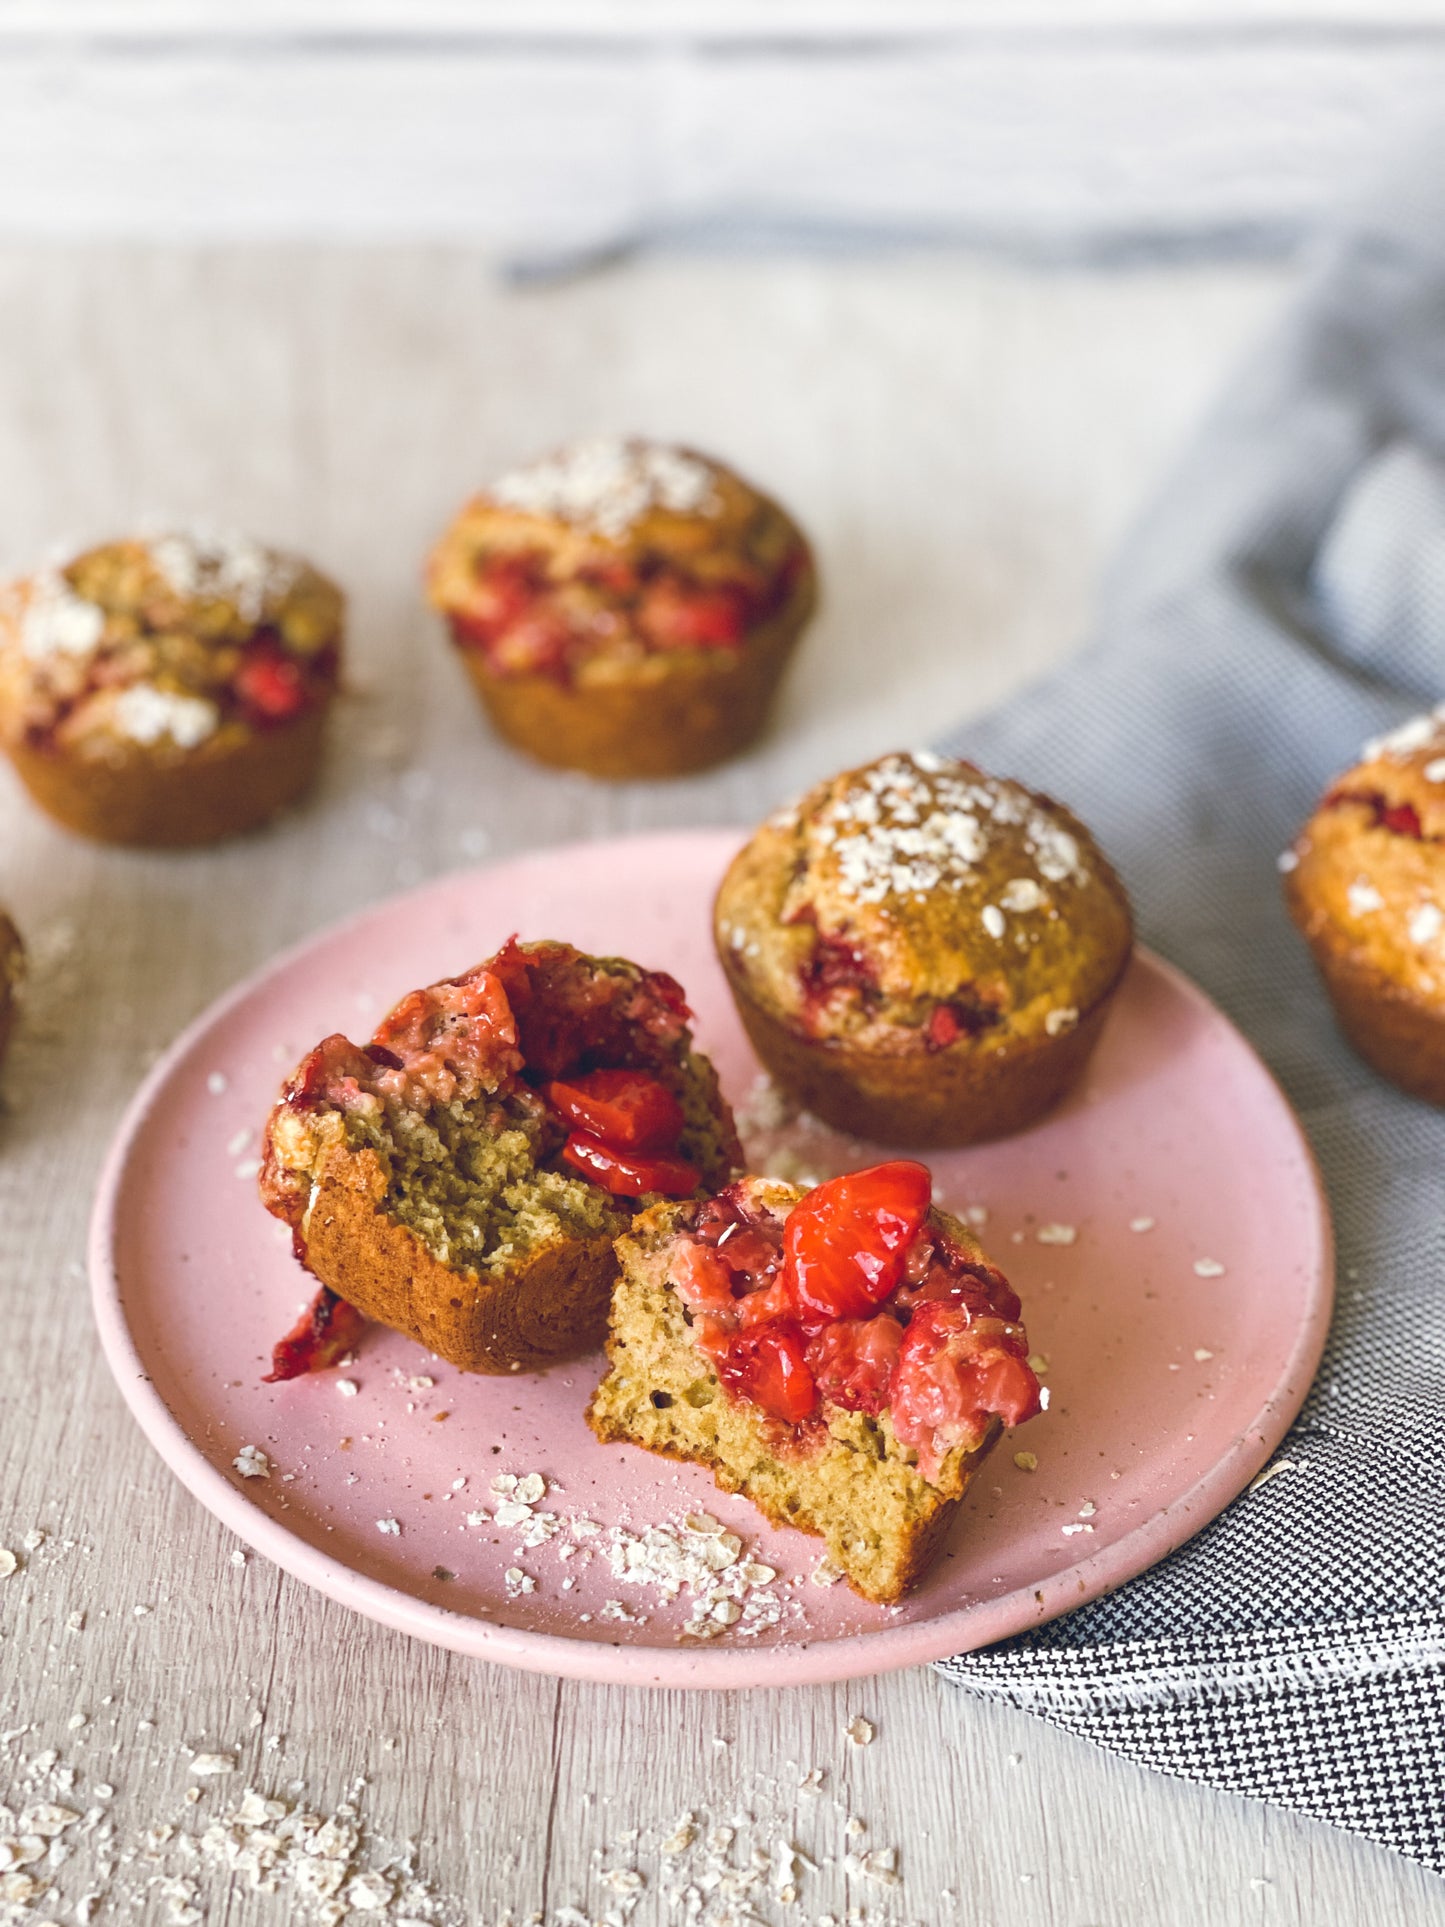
(1285, 600)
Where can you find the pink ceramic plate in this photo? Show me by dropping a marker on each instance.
(1165, 1229)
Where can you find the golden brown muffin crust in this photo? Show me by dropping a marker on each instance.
(913, 883)
(1368, 875)
(150, 647)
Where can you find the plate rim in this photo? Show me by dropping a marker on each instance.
(795, 1663)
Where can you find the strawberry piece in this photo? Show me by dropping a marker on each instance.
(942, 1028)
(270, 684)
(628, 1110)
(504, 589)
(674, 615)
(846, 1243)
(768, 1366)
(852, 1361)
(625, 1174)
(1401, 819)
(955, 1372)
(325, 1332)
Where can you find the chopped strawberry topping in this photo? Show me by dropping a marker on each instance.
(628, 1110)
(871, 1294)
(846, 1242)
(270, 684)
(853, 1361)
(325, 1332)
(956, 1371)
(626, 1174)
(769, 1366)
(450, 1040)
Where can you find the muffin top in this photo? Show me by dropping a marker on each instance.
(1367, 872)
(614, 557)
(917, 903)
(163, 645)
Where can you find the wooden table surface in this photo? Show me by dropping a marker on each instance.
(965, 442)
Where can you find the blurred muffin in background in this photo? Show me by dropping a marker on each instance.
(1365, 884)
(171, 690)
(624, 608)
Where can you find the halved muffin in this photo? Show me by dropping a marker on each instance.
(168, 691)
(923, 954)
(843, 1357)
(463, 1175)
(624, 607)
(1365, 884)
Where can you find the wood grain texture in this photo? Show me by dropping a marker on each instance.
(1125, 130)
(963, 444)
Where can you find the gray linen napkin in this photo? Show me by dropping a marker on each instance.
(1285, 600)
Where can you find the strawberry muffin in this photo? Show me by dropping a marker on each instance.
(923, 954)
(12, 974)
(168, 691)
(623, 607)
(844, 1357)
(1365, 883)
(463, 1175)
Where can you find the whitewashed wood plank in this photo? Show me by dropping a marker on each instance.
(1051, 144)
(717, 19)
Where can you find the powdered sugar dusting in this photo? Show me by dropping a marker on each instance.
(608, 484)
(55, 621)
(911, 824)
(226, 567)
(145, 714)
(1418, 733)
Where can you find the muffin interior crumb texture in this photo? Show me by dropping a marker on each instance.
(896, 1409)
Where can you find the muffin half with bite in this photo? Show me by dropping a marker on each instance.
(168, 691)
(624, 607)
(923, 954)
(843, 1357)
(1365, 884)
(462, 1176)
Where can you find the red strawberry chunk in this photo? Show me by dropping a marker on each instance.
(628, 1110)
(956, 1372)
(674, 615)
(768, 1365)
(270, 684)
(853, 1361)
(846, 1243)
(628, 1174)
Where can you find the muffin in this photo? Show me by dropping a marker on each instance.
(12, 973)
(1365, 883)
(923, 954)
(168, 691)
(462, 1176)
(845, 1358)
(623, 607)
